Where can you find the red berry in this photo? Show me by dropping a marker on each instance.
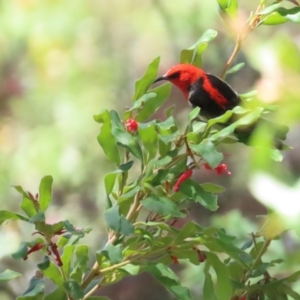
(132, 125)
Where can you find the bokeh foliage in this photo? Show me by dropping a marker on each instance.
(63, 61)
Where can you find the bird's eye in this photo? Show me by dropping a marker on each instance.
(174, 75)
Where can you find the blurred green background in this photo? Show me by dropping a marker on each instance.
(63, 61)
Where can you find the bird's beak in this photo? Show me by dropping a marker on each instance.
(160, 78)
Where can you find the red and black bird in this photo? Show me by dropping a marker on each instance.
(214, 97)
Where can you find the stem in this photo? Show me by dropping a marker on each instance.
(257, 260)
(93, 290)
(243, 35)
(261, 253)
(95, 269)
(232, 57)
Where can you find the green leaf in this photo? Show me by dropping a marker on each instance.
(235, 68)
(192, 55)
(58, 294)
(269, 9)
(197, 194)
(223, 286)
(212, 188)
(66, 258)
(38, 217)
(126, 227)
(35, 290)
(242, 124)
(113, 253)
(54, 274)
(9, 275)
(138, 105)
(112, 218)
(28, 207)
(106, 138)
(208, 152)
(45, 192)
(72, 287)
(289, 291)
(194, 114)
(162, 205)
(6, 215)
(109, 181)
(131, 269)
(21, 252)
(118, 222)
(208, 287)
(162, 93)
(229, 7)
(143, 84)
(149, 139)
(126, 166)
(44, 264)
(169, 279)
(128, 141)
(282, 15)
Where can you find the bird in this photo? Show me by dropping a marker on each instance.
(215, 97)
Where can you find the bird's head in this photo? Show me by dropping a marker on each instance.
(183, 76)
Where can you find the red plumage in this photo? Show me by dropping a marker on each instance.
(214, 96)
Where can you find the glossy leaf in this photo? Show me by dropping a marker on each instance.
(66, 258)
(235, 68)
(162, 205)
(128, 141)
(44, 264)
(208, 152)
(106, 138)
(192, 55)
(148, 136)
(138, 104)
(54, 274)
(35, 290)
(194, 114)
(162, 93)
(197, 194)
(282, 15)
(143, 84)
(58, 294)
(38, 217)
(72, 287)
(109, 181)
(113, 253)
(212, 188)
(8, 275)
(223, 285)
(45, 192)
(21, 252)
(269, 9)
(241, 124)
(6, 215)
(131, 269)
(169, 279)
(29, 207)
(118, 222)
(208, 286)
(229, 7)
